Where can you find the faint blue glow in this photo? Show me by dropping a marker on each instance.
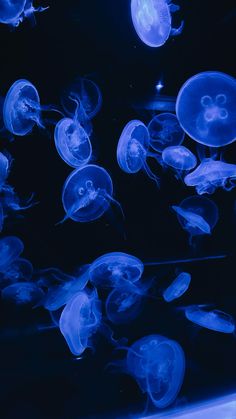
(159, 86)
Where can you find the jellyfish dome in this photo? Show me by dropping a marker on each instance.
(79, 320)
(214, 320)
(21, 110)
(123, 304)
(87, 193)
(4, 168)
(14, 12)
(206, 108)
(115, 269)
(72, 142)
(19, 270)
(22, 293)
(179, 157)
(10, 249)
(152, 21)
(165, 131)
(158, 365)
(178, 287)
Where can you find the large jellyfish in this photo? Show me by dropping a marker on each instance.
(22, 293)
(165, 131)
(152, 21)
(158, 365)
(206, 108)
(14, 12)
(179, 158)
(10, 249)
(178, 287)
(214, 319)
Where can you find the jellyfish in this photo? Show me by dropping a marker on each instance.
(165, 131)
(87, 193)
(19, 270)
(206, 108)
(158, 102)
(178, 287)
(132, 149)
(214, 320)
(158, 365)
(10, 249)
(4, 169)
(179, 158)
(115, 269)
(22, 293)
(197, 215)
(79, 320)
(210, 175)
(152, 21)
(14, 12)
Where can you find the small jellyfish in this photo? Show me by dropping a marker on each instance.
(210, 175)
(132, 149)
(178, 287)
(152, 21)
(206, 108)
(22, 293)
(79, 320)
(214, 320)
(87, 193)
(4, 169)
(179, 158)
(165, 131)
(10, 249)
(115, 269)
(19, 270)
(158, 365)
(14, 12)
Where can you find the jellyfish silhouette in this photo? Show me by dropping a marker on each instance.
(165, 131)
(179, 158)
(178, 287)
(14, 12)
(210, 319)
(206, 108)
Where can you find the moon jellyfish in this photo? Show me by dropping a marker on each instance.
(4, 169)
(10, 249)
(165, 131)
(152, 21)
(22, 293)
(132, 149)
(87, 193)
(79, 320)
(178, 287)
(214, 320)
(115, 269)
(206, 108)
(158, 365)
(19, 270)
(14, 12)
(179, 158)
(210, 175)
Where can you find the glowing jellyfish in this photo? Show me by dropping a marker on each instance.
(10, 249)
(179, 157)
(206, 108)
(214, 320)
(19, 270)
(210, 175)
(124, 303)
(115, 269)
(132, 149)
(165, 131)
(22, 293)
(87, 193)
(14, 12)
(79, 320)
(158, 365)
(197, 215)
(4, 169)
(178, 287)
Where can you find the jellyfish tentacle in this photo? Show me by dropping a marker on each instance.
(177, 31)
(150, 174)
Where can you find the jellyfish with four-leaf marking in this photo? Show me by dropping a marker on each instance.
(178, 287)
(22, 293)
(132, 149)
(206, 108)
(179, 158)
(152, 20)
(215, 320)
(197, 215)
(12, 13)
(165, 131)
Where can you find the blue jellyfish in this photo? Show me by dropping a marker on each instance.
(158, 365)
(22, 293)
(152, 21)
(14, 12)
(159, 103)
(197, 215)
(10, 249)
(206, 108)
(179, 158)
(132, 149)
(214, 320)
(1, 217)
(115, 269)
(178, 287)
(210, 175)
(4, 168)
(19, 270)
(165, 131)
(87, 193)
(79, 320)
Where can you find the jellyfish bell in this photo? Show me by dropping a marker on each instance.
(4, 168)
(165, 131)
(206, 108)
(22, 293)
(210, 319)
(14, 12)
(10, 249)
(179, 158)
(178, 287)
(19, 270)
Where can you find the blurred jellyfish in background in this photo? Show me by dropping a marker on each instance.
(10, 249)
(210, 319)
(12, 13)
(165, 131)
(179, 158)
(22, 293)
(19, 270)
(152, 21)
(4, 169)
(178, 287)
(206, 108)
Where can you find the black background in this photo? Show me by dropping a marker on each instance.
(95, 38)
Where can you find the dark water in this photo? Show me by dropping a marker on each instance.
(95, 38)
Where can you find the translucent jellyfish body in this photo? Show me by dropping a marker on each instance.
(179, 157)
(19, 270)
(4, 169)
(22, 293)
(158, 365)
(124, 303)
(10, 249)
(79, 320)
(152, 21)
(206, 108)
(14, 12)
(132, 149)
(87, 193)
(210, 175)
(178, 287)
(165, 131)
(115, 269)
(214, 320)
